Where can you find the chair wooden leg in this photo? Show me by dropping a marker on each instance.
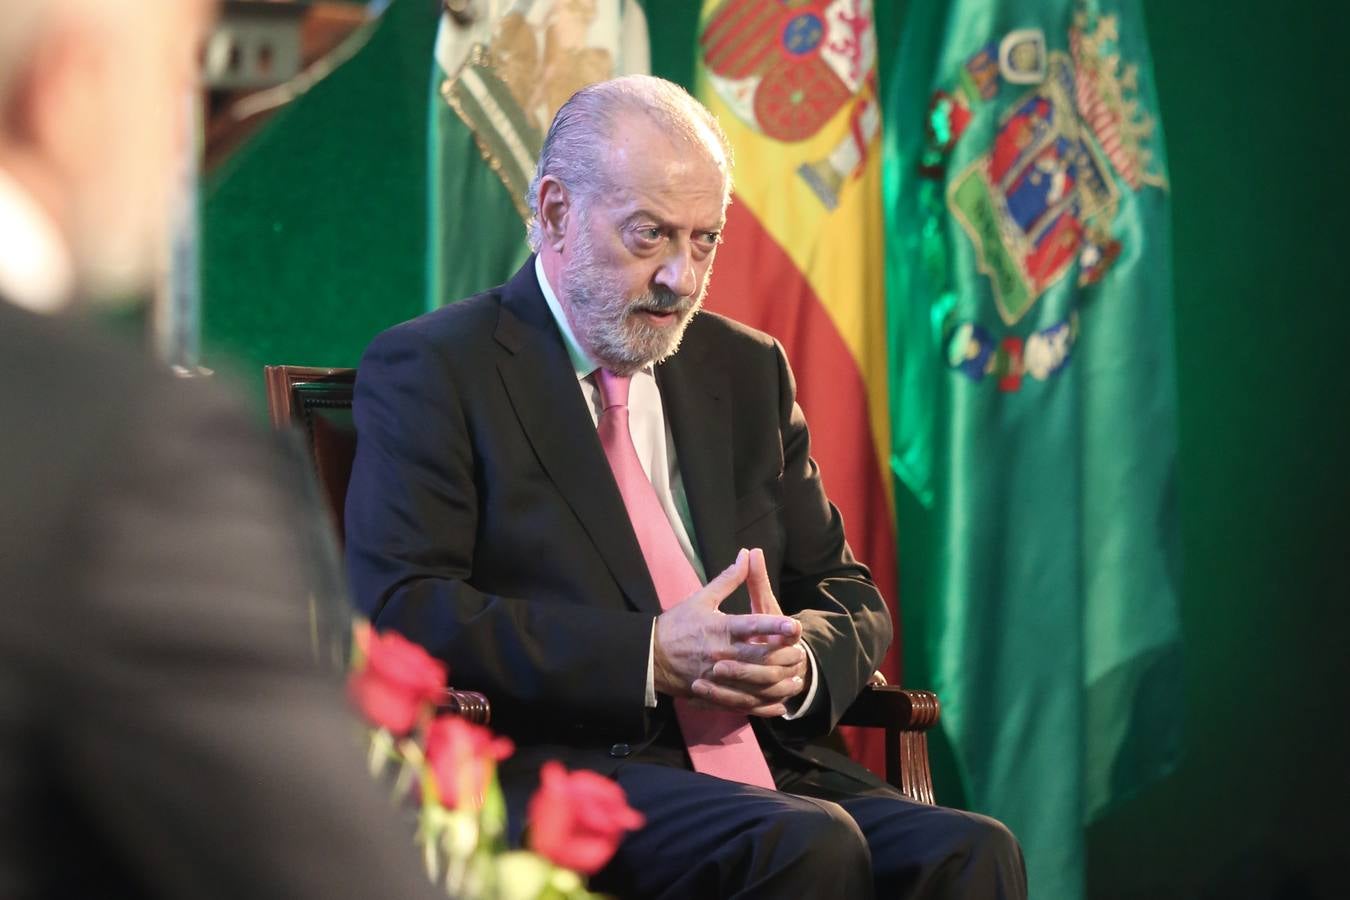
(918, 779)
(913, 753)
(903, 715)
(895, 768)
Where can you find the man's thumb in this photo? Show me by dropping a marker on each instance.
(732, 577)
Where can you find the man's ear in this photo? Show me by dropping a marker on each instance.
(60, 109)
(555, 205)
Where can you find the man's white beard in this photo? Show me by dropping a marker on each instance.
(609, 324)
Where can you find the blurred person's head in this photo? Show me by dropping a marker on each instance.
(93, 95)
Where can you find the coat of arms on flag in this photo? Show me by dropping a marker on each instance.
(501, 71)
(1044, 195)
(506, 75)
(1029, 287)
(787, 69)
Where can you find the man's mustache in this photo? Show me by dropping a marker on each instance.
(661, 300)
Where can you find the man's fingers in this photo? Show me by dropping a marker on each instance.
(743, 628)
(749, 676)
(762, 599)
(764, 654)
(730, 578)
(774, 641)
(769, 711)
(741, 701)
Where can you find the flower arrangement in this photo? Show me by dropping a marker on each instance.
(574, 822)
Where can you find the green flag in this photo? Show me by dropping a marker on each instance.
(1033, 408)
(497, 79)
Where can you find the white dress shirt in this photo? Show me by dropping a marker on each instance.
(650, 431)
(35, 267)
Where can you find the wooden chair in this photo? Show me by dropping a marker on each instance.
(319, 401)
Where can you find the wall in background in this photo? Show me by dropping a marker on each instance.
(315, 232)
(315, 240)
(1252, 95)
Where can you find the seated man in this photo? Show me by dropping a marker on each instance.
(542, 486)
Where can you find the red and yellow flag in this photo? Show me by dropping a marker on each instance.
(794, 85)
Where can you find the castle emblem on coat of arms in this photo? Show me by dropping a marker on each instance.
(1041, 201)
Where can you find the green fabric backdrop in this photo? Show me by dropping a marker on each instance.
(315, 240)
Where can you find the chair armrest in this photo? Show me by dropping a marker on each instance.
(905, 716)
(470, 705)
(889, 706)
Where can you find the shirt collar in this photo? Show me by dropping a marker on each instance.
(35, 268)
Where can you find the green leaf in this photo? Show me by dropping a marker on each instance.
(381, 751)
(492, 817)
(431, 859)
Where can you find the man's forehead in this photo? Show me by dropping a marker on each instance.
(664, 173)
(672, 177)
(640, 142)
(672, 202)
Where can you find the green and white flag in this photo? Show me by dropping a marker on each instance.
(501, 71)
(1033, 405)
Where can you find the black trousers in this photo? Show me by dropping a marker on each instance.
(822, 834)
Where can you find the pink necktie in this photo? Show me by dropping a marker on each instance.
(720, 743)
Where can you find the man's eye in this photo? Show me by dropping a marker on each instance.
(650, 233)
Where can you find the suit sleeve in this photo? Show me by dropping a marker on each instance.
(412, 521)
(189, 714)
(844, 618)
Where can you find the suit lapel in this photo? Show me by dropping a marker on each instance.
(542, 385)
(697, 404)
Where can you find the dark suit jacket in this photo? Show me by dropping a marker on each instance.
(484, 523)
(164, 730)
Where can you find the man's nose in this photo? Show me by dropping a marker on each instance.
(677, 272)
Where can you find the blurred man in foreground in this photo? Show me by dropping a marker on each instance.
(163, 731)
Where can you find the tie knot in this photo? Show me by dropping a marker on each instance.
(613, 388)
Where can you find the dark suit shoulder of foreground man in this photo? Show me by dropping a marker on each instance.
(598, 505)
(164, 729)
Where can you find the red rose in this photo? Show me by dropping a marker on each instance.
(462, 757)
(578, 818)
(399, 679)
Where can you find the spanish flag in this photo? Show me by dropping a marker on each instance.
(795, 87)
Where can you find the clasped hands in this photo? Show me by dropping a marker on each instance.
(751, 664)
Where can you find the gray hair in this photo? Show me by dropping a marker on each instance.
(581, 129)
